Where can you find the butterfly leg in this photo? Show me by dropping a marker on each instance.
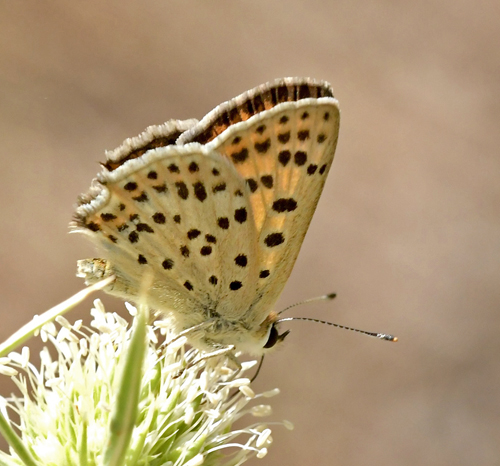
(228, 350)
(94, 270)
(188, 331)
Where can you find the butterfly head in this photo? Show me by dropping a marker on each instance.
(261, 339)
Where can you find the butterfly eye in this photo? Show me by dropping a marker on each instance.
(275, 337)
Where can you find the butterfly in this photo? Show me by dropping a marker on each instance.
(216, 211)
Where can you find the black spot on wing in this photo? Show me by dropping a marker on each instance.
(193, 233)
(167, 264)
(241, 156)
(193, 167)
(240, 215)
(300, 158)
(241, 260)
(252, 184)
(182, 190)
(284, 205)
(160, 188)
(133, 237)
(199, 191)
(274, 239)
(223, 222)
(311, 169)
(159, 218)
(263, 147)
(108, 217)
(283, 138)
(144, 227)
(143, 197)
(206, 250)
(213, 280)
(130, 186)
(303, 135)
(219, 188)
(284, 157)
(267, 181)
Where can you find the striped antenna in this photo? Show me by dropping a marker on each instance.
(325, 297)
(380, 336)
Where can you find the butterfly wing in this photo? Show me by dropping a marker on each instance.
(183, 214)
(216, 210)
(283, 153)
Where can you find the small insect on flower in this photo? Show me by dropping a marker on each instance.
(216, 211)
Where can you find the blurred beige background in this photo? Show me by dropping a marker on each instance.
(407, 231)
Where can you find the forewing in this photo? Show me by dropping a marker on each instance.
(290, 150)
(281, 138)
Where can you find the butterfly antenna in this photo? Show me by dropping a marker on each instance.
(380, 336)
(325, 297)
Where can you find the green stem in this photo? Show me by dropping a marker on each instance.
(28, 330)
(124, 414)
(16, 443)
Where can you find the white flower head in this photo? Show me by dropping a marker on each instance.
(114, 395)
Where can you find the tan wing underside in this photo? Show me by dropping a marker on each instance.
(183, 222)
(284, 156)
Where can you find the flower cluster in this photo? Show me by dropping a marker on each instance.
(112, 394)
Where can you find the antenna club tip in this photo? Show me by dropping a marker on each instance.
(331, 295)
(387, 337)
